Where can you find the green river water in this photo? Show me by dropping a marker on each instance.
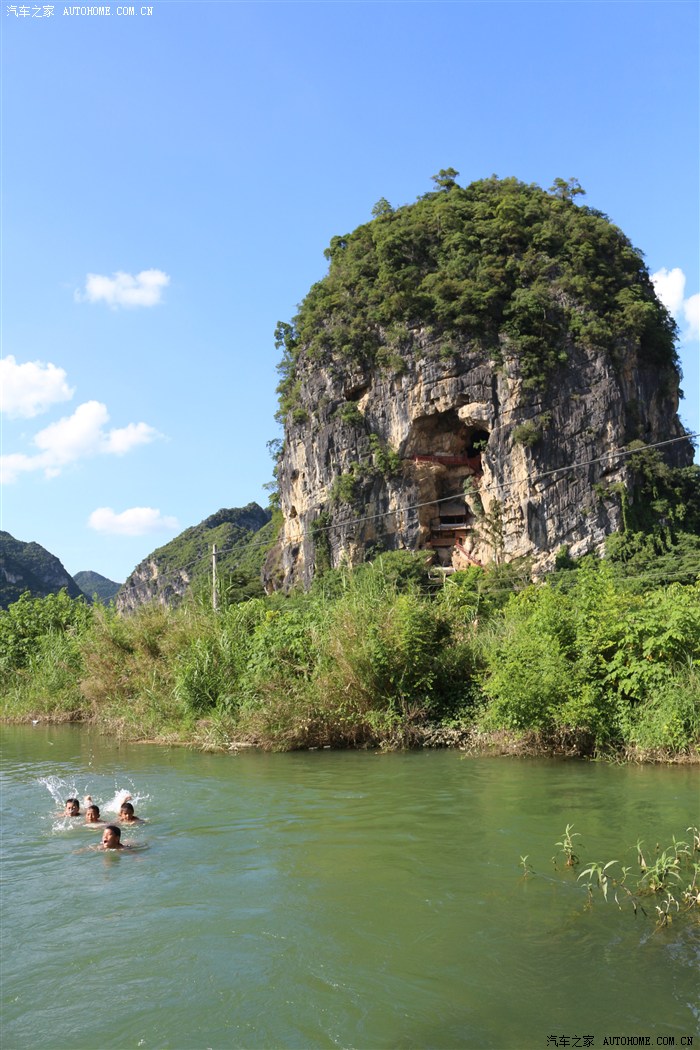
(332, 899)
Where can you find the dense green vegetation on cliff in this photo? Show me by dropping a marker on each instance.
(499, 266)
(590, 661)
(30, 567)
(241, 535)
(94, 585)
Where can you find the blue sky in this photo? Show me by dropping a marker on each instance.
(170, 180)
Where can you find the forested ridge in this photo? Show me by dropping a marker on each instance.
(183, 566)
(29, 566)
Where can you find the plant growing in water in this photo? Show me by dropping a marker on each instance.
(598, 875)
(673, 878)
(528, 869)
(567, 847)
(663, 910)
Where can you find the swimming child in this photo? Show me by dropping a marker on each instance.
(92, 815)
(111, 837)
(127, 815)
(72, 808)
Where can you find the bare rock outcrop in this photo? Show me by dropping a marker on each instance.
(542, 470)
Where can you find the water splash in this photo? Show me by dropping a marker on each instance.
(114, 804)
(61, 788)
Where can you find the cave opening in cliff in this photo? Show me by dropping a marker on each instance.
(478, 439)
(444, 452)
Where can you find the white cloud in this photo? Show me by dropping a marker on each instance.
(691, 312)
(137, 521)
(28, 389)
(124, 289)
(670, 288)
(76, 437)
(73, 437)
(15, 464)
(117, 442)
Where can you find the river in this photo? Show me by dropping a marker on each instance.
(332, 899)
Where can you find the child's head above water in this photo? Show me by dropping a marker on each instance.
(92, 814)
(111, 837)
(72, 807)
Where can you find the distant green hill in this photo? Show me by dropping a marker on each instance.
(30, 567)
(93, 585)
(242, 535)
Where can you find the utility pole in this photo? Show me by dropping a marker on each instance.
(214, 602)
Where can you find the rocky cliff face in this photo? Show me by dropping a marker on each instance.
(462, 454)
(541, 469)
(152, 582)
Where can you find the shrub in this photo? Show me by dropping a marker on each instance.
(349, 413)
(527, 434)
(529, 681)
(670, 719)
(25, 621)
(344, 488)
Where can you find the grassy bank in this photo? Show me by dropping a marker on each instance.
(383, 657)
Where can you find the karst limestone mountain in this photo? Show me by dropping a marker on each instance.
(465, 380)
(94, 585)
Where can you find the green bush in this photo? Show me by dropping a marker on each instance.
(25, 621)
(344, 488)
(529, 681)
(670, 718)
(527, 434)
(49, 683)
(349, 413)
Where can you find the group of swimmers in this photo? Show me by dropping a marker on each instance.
(112, 834)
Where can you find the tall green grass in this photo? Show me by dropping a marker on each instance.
(379, 658)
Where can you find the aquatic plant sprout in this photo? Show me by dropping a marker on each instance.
(567, 846)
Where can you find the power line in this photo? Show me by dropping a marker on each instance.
(506, 485)
(534, 479)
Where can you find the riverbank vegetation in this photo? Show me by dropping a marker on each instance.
(589, 661)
